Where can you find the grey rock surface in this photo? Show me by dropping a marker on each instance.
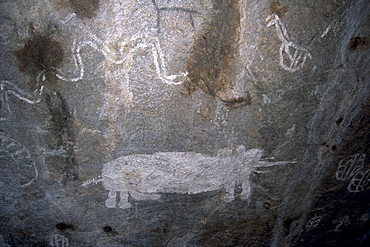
(184, 123)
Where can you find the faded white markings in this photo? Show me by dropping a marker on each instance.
(289, 132)
(359, 182)
(364, 217)
(343, 221)
(59, 241)
(353, 164)
(353, 168)
(24, 168)
(266, 99)
(313, 223)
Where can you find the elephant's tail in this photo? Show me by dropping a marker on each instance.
(91, 182)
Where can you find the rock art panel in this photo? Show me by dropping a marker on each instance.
(110, 78)
(147, 176)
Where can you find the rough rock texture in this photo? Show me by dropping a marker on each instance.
(184, 123)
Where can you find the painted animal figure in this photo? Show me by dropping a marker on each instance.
(145, 177)
(292, 56)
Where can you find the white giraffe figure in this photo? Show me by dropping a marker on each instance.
(297, 55)
(7, 88)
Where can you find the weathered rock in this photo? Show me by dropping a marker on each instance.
(184, 123)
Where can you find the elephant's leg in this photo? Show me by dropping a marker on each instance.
(229, 192)
(111, 201)
(123, 202)
(246, 190)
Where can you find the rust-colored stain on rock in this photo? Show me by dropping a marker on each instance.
(213, 55)
(275, 8)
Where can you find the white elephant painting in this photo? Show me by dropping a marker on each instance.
(145, 177)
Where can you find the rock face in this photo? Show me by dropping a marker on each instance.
(184, 123)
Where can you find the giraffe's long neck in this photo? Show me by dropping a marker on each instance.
(282, 33)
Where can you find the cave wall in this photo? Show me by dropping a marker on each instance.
(184, 123)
